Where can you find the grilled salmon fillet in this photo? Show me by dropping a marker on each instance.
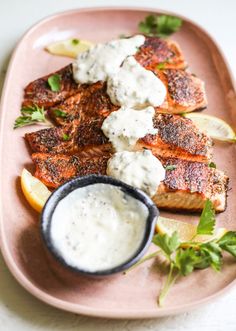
(185, 92)
(177, 137)
(39, 93)
(156, 51)
(185, 188)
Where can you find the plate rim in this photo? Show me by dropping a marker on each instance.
(15, 271)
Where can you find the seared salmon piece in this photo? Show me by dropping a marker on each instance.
(39, 92)
(153, 52)
(185, 92)
(54, 170)
(92, 101)
(186, 186)
(189, 185)
(177, 137)
(156, 51)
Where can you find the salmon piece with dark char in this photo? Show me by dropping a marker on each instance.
(185, 93)
(154, 51)
(177, 137)
(186, 187)
(39, 93)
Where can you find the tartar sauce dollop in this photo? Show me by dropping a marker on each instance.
(134, 86)
(98, 227)
(139, 169)
(103, 60)
(125, 126)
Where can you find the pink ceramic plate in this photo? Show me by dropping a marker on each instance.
(133, 295)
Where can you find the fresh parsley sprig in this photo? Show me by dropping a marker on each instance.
(184, 258)
(160, 25)
(30, 115)
(54, 82)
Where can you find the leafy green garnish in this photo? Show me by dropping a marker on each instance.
(228, 242)
(184, 258)
(207, 220)
(167, 244)
(212, 165)
(160, 26)
(59, 113)
(170, 167)
(65, 137)
(54, 82)
(75, 41)
(30, 115)
(161, 66)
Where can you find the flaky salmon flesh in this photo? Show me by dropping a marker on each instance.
(177, 137)
(186, 187)
(185, 92)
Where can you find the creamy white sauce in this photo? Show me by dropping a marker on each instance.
(139, 169)
(98, 227)
(134, 86)
(125, 126)
(104, 60)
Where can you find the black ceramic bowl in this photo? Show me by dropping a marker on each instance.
(78, 182)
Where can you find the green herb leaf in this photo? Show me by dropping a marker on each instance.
(228, 242)
(185, 260)
(161, 66)
(213, 251)
(207, 221)
(166, 25)
(168, 244)
(75, 41)
(54, 82)
(30, 115)
(160, 26)
(65, 137)
(170, 167)
(212, 165)
(59, 113)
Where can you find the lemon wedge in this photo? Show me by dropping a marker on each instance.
(35, 192)
(70, 47)
(186, 231)
(215, 127)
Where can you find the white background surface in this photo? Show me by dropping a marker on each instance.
(19, 310)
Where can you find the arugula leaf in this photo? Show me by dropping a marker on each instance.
(168, 244)
(160, 26)
(170, 167)
(54, 82)
(59, 113)
(65, 137)
(30, 115)
(228, 242)
(212, 165)
(207, 221)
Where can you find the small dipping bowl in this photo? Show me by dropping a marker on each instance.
(57, 261)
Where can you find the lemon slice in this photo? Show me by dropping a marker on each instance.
(70, 47)
(36, 192)
(215, 127)
(186, 231)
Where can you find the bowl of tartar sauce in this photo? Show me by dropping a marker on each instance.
(97, 225)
